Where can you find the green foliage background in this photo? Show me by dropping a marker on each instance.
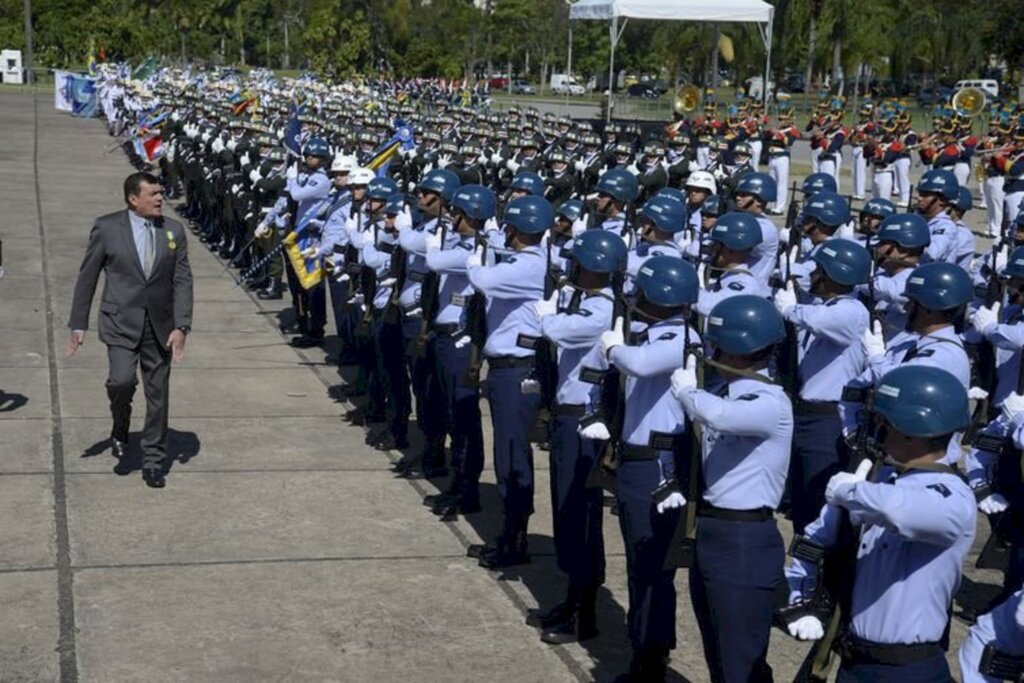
(903, 40)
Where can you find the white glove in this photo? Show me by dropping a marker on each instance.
(685, 379)
(293, 172)
(547, 306)
(310, 252)
(529, 386)
(580, 166)
(694, 167)
(873, 341)
(785, 298)
(842, 479)
(1013, 406)
(444, 161)
(579, 226)
(512, 166)
(613, 337)
(785, 235)
(263, 231)
(993, 504)
(462, 341)
(684, 240)
(254, 176)
(235, 188)
(674, 501)
(632, 168)
(1002, 258)
(244, 160)
(806, 628)
(433, 240)
(482, 159)
(427, 168)
(597, 431)
(476, 258)
(496, 159)
(387, 282)
(977, 394)
(985, 316)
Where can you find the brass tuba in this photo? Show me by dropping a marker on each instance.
(687, 99)
(969, 102)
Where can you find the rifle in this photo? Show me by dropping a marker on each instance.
(367, 287)
(429, 297)
(393, 311)
(995, 554)
(476, 328)
(611, 407)
(793, 211)
(983, 357)
(835, 568)
(545, 367)
(684, 542)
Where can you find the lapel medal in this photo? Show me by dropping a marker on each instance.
(171, 244)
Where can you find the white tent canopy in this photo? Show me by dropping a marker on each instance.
(620, 11)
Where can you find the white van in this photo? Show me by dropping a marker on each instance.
(990, 86)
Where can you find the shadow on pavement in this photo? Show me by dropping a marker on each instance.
(11, 402)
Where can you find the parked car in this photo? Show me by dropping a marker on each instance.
(934, 96)
(642, 90)
(498, 83)
(523, 88)
(562, 84)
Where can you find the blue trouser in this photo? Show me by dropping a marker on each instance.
(737, 569)
(390, 358)
(651, 620)
(818, 453)
(346, 316)
(462, 417)
(512, 416)
(577, 510)
(935, 669)
(425, 387)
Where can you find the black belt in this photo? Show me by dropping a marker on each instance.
(755, 515)
(1001, 665)
(857, 651)
(570, 409)
(503, 362)
(446, 329)
(657, 443)
(817, 408)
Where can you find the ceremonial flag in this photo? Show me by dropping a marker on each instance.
(74, 93)
(292, 132)
(149, 149)
(146, 69)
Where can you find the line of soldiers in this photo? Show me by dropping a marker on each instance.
(680, 350)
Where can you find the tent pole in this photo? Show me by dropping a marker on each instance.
(611, 68)
(767, 59)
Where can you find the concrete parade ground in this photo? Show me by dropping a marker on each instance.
(283, 548)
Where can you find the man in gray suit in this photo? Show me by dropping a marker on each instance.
(145, 312)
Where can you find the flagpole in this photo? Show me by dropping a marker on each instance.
(29, 58)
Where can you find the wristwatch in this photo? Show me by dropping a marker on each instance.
(185, 329)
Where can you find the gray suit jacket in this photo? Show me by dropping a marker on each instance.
(128, 296)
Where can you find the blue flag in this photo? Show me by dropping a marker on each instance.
(293, 131)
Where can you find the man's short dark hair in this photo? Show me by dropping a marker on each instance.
(133, 183)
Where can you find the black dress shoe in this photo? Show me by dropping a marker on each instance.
(435, 499)
(362, 417)
(306, 342)
(550, 617)
(389, 442)
(478, 550)
(154, 478)
(504, 558)
(572, 629)
(451, 511)
(273, 291)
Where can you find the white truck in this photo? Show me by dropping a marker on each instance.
(562, 84)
